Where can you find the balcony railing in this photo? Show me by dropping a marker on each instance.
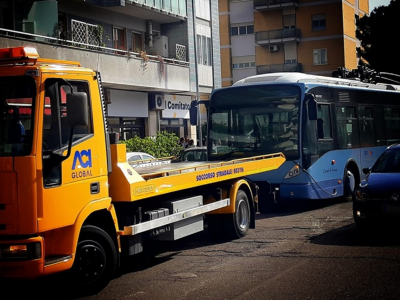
(175, 7)
(277, 36)
(274, 4)
(92, 45)
(295, 67)
(85, 33)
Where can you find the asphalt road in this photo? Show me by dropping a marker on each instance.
(310, 253)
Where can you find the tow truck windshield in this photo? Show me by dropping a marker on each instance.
(17, 102)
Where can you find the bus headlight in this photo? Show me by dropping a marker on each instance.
(21, 251)
(293, 172)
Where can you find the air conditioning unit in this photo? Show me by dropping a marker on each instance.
(273, 48)
(157, 102)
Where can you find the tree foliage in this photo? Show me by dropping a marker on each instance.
(376, 33)
(164, 144)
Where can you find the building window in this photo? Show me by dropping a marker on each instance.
(320, 56)
(202, 9)
(242, 30)
(244, 65)
(119, 38)
(127, 128)
(204, 50)
(290, 61)
(318, 22)
(137, 42)
(289, 21)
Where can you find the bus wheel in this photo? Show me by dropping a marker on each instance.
(349, 185)
(95, 260)
(239, 222)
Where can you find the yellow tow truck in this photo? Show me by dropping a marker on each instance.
(69, 201)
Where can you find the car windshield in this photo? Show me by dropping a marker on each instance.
(194, 155)
(254, 120)
(17, 102)
(388, 162)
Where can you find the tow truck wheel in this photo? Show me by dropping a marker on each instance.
(95, 260)
(239, 222)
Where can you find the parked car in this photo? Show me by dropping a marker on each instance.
(142, 159)
(137, 156)
(378, 195)
(192, 154)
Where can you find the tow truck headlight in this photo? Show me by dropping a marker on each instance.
(293, 172)
(21, 251)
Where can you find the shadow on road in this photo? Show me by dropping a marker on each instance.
(49, 287)
(56, 287)
(296, 207)
(382, 235)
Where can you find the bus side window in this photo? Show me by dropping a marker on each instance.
(379, 124)
(348, 133)
(320, 128)
(324, 122)
(367, 131)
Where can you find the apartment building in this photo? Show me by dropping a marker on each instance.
(268, 36)
(154, 56)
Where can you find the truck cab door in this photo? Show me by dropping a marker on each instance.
(74, 164)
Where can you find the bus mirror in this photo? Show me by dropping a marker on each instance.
(311, 107)
(193, 113)
(77, 109)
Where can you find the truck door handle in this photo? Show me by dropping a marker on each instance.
(94, 188)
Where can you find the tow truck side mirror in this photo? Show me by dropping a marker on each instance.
(77, 109)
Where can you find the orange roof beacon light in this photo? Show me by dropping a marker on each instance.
(18, 53)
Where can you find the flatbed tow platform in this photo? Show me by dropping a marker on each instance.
(166, 178)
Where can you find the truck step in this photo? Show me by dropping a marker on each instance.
(51, 260)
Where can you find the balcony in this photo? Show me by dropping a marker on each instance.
(277, 36)
(264, 69)
(261, 5)
(120, 69)
(164, 11)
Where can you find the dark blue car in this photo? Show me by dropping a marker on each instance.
(378, 196)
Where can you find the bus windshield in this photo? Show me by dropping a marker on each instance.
(254, 120)
(17, 98)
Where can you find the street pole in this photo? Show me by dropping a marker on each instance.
(199, 134)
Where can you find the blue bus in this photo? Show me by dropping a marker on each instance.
(328, 128)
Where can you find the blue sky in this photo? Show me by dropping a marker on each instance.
(375, 3)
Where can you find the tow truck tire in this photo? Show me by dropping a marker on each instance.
(238, 223)
(95, 261)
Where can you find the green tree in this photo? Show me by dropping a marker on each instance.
(376, 34)
(164, 144)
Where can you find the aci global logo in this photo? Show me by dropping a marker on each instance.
(82, 160)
